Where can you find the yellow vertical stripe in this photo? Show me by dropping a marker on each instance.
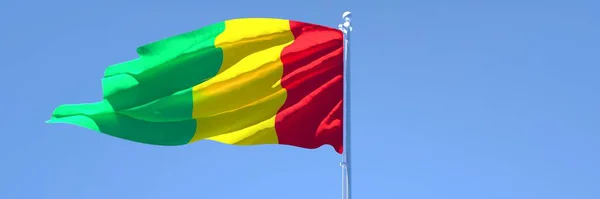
(238, 106)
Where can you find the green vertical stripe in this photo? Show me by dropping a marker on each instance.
(149, 99)
(164, 68)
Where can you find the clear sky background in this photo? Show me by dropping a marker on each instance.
(458, 99)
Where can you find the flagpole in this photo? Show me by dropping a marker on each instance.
(346, 28)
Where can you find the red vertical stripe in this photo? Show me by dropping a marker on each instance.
(313, 77)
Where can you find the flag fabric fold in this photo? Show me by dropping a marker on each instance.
(248, 81)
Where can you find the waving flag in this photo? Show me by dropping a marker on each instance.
(244, 81)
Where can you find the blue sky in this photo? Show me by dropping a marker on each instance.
(458, 99)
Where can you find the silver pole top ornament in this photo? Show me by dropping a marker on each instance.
(346, 27)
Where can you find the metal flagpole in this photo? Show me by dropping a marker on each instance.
(346, 28)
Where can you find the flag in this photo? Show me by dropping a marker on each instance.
(248, 81)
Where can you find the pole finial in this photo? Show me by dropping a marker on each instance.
(346, 26)
(347, 15)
